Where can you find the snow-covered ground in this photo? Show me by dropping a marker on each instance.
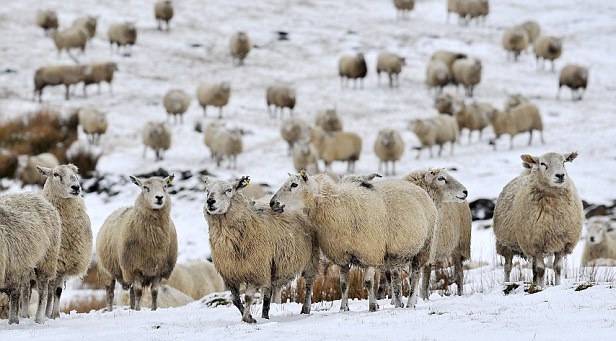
(320, 31)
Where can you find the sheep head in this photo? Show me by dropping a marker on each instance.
(598, 230)
(220, 193)
(63, 180)
(154, 190)
(445, 186)
(291, 192)
(549, 168)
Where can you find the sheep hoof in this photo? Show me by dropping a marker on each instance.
(305, 310)
(344, 308)
(249, 319)
(373, 307)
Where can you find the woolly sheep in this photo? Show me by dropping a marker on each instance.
(258, 247)
(210, 132)
(352, 67)
(73, 37)
(30, 230)
(388, 147)
(447, 103)
(437, 75)
(293, 129)
(513, 100)
(94, 124)
(156, 135)
(239, 46)
(29, 174)
(390, 63)
(47, 20)
(167, 297)
(474, 117)
(122, 34)
(436, 130)
(548, 48)
(447, 57)
(163, 11)
(533, 30)
(467, 72)
(137, 245)
(600, 242)
(66, 75)
(539, 213)
(87, 23)
(575, 77)
(522, 118)
(63, 190)
(471, 9)
(329, 120)
(337, 146)
(403, 7)
(280, 96)
(216, 95)
(176, 102)
(305, 156)
(98, 73)
(515, 40)
(227, 143)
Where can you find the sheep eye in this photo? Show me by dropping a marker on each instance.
(442, 178)
(293, 185)
(228, 191)
(56, 175)
(610, 229)
(544, 165)
(146, 188)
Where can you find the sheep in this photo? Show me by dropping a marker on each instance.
(437, 75)
(73, 37)
(403, 7)
(522, 118)
(30, 228)
(210, 132)
(391, 64)
(447, 57)
(137, 245)
(548, 48)
(29, 175)
(329, 120)
(87, 23)
(228, 144)
(575, 77)
(292, 130)
(389, 147)
(446, 103)
(63, 190)
(254, 191)
(539, 213)
(157, 136)
(337, 146)
(94, 124)
(167, 297)
(305, 156)
(216, 95)
(176, 102)
(122, 34)
(47, 20)
(258, 247)
(280, 96)
(436, 130)
(66, 75)
(533, 30)
(239, 46)
(467, 72)
(98, 73)
(454, 241)
(163, 11)
(352, 67)
(474, 117)
(513, 100)
(470, 9)
(599, 242)
(515, 40)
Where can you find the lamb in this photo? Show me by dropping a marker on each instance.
(209, 134)
(227, 144)
(437, 75)
(122, 34)
(533, 30)
(137, 245)
(293, 129)
(176, 102)
(73, 37)
(329, 120)
(87, 23)
(29, 175)
(337, 146)
(258, 247)
(63, 191)
(239, 46)
(305, 156)
(467, 72)
(600, 242)
(513, 100)
(447, 103)
(280, 96)
(391, 63)
(66, 75)
(548, 48)
(216, 95)
(515, 40)
(163, 11)
(47, 20)
(436, 130)
(522, 118)
(157, 136)
(539, 213)
(403, 7)
(94, 124)
(30, 230)
(575, 77)
(98, 73)
(352, 67)
(389, 147)
(474, 117)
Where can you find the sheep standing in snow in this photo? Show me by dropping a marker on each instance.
(227, 143)
(548, 48)
(513, 100)
(29, 174)
(156, 135)
(352, 67)
(176, 102)
(449, 104)
(216, 95)
(437, 75)
(515, 40)
(391, 64)
(163, 11)
(600, 242)
(329, 120)
(575, 77)
(47, 20)
(467, 72)
(520, 119)
(94, 124)
(137, 245)
(209, 135)
(533, 30)
(87, 23)
(539, 213)
(73, 37)
(474, 117)
(98, 73)
(389, 147)
(239, 46)
(66, 75)
(280, 96)
(305, 156)
(436, 130)
(403, 7)
(293, 129)
(122, 34)
(447, 57)
(337, 146)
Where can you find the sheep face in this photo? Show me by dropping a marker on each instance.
(549, 168)
(63, 180)
(291, 193)
(387, 137)
(597, 231)
(220, 193)
(449, 189)
(154, 190)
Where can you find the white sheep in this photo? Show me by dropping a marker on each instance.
(467, 72)
(209, 134)
(28, 174)
(239, 46)
(72, 37)
(446, 103)
(389, 148)
(539, 213)
(329, 120)
(575, 77)
(227, 143)
(137, 246)
(216, 95)
(403, 7)
(352, 67)
(391, 64)
(600, 242)
(515, 40)
(98, 73)
(513, 100)
(87, 23)
(66, 75)
(305, 156)
(257, 247)
(176, 102)
(548, 48)
(94, 124)
(292, 130)
(436, 130)
(122, 34)
(520, 119)
(280, 96)
(437, 75)
(47, 19)
(156, 135)
(63, 191)
(474, 117)
(447, 57)
(533, 30)
(163, 11)
(337, 146)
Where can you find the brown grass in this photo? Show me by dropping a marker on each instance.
(85, 304)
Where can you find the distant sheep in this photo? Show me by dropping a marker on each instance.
(515, 40)
(437, 75)
(472, 9)
(156, 135)
(210, 133)
(280, 96)
(533, 30)
(305, 156)
(435, 131)
(548, 48)
(391, 64)
(446, 103)
(467, 72)
(447, 57)
(47, 20)
(352, 67)
(87, 23)
(73, 37)
(337, 146)
(98, 73)
(329, 120)
(227, 144)
(522, 118)
(239, 46)
(66, 75)
(474, 117)
(216, 95)
(389, 148)
(293, 129)
(29, 174)
(176, 102)
(122, 34)
(163, 11)
(403, 7)
(575, 77)
(513, 100)
(600, 242)
(94, 123)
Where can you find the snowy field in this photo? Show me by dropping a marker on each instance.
(320, 31)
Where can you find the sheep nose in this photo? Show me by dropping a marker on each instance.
(465, 193)
(159, 198)
(592, 239)
(211, 201)
(75, 188)
(272, 203)
(560, 176)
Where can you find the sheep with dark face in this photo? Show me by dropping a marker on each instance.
(352, 67)
(575, 77)
(163, 11)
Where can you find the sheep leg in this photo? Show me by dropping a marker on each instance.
(26, 291)
(440, 150)
(235, 297)
(369, 285)
(248, 298)
(394, 279)
(267, 299)
(131, 294)
(344, 287)
(14, 305)
(425, 281)
(511, 142)
(391, 81)
(154, 291)
(459, 273)
(57, 293)
(138, 289)
(538, 271)
(50, 289)
(110, 293)
(413, 283)
(219, 112)
(530, 137)
(508, 266)
(43, 286)
(66, 94)
(558, 265)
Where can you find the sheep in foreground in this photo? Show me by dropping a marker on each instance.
(98, 73)
(329, 120)
(352, 67)
(522, 118)
(575, 77)
(391, 64)
(216, 95)
(294, 129)
(305, 156)
(513, 100)
(467, 72)
(600, 242)
(227, 144)
(29, 174)
(515, 40)
(533, 30)
(73, 37)
(47, 19)
(474, 117)
(137, 246)
(30, 230)
(87, 23)
(209, 135)
(446, 103)
(156, 135)
(239, 46)
(539, 213)
(66, 75)
(122, 34)
(548, 48)
(63, 191)
(280, 96)
(94, 124)
(403, 7)
(337, 146)
(389, 148)
(176, 102)
(163, 11)
(257, 247)
(437, 75)
(436, 130)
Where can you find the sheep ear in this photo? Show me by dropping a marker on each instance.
(73, 168)
(303, 174)
(569, 157)
(242, 182)
(431, 174)
(528, 160)
(44, 170)
(169, 179)
(135, 180)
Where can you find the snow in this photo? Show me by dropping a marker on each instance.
(320, 31)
